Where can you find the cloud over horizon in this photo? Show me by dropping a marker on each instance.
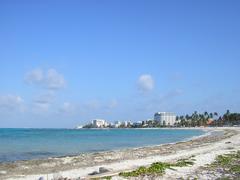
(44, 101)
(11, 103)
(145, 83)
(50, 79)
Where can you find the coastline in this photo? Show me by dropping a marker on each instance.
(118, 160)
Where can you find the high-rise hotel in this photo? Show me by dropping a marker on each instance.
(165, 118)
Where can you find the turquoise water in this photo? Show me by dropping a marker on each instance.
(25, 144)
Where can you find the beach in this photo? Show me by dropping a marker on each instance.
(204, 148)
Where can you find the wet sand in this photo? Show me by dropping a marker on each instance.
(115, 161)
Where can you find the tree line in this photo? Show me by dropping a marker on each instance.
(208, 119)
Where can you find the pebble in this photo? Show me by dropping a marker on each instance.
(93, 173)
(3, 172)
(103, 170)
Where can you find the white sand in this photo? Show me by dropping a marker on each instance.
(203, 155)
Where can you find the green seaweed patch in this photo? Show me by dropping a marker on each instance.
(227, 158)
(107, 178)
(235, 168)
(102, 178)
(230, 163)
(184, 162)
(157, 168)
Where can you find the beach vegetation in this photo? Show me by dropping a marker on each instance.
(107, 178)
(226, 159)
(208, 119)
(157, 168)
(184, 162)
(228, 163)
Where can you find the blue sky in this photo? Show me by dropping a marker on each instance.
(63, 63)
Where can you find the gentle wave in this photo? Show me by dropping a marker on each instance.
(25, 144)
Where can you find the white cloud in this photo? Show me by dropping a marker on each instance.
(34, 76)
(47, 98)
(145, 83)
(11, 102)
(54, 80)
(50, 79)
(43, 102)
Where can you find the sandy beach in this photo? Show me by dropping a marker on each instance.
(204, 149)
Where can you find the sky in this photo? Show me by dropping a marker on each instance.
(66, 62)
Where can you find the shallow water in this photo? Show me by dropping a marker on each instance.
(25, 144)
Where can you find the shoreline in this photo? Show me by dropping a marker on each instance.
(116, 161)
(205, 133)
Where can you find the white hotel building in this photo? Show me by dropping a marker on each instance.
(99, 123)
(165, 118)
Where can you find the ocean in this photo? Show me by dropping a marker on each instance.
(26, 144)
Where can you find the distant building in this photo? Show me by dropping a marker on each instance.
(117, 124)
(125, 124)
(137, 124)
(210, 121)
(79, 127)
(165, 118)
(99, 123)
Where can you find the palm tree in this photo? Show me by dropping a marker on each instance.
(181, 120)
(206, 115)
(211, 115)
(226, 115)
(220, 121)
(177, 118)
(194, 119)
(202, 119)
